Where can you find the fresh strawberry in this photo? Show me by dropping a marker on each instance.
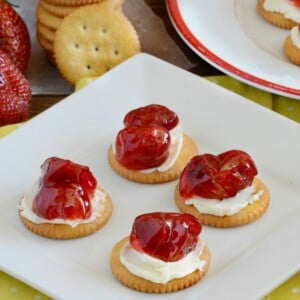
(142, 147)
(151, 115)
(14, 36)
(65, 190)
(217, 176)
(166, 236)
(15, 92)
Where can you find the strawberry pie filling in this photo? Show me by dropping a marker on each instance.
(163, 246)
(296, 3)
(219, 184)
(97, 205)
(176, 135)
(66, 193)
(151, 139)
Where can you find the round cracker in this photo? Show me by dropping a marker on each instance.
(188, 150)
(45, 32)
(44, 43)
(57, 10)
(72, 2)
(92, 40)
(122, 274)
(246, 215)
(274, 18)
(46, 18)
(65, 231)
(47, 47)
(64, 10)
(291, 51)
(50, 56)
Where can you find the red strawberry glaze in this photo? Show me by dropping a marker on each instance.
(295, 2)
(152, 115)
(166, 236)
(142, 147)
(65, 190)
(217, 176)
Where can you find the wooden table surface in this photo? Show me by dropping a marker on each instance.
(40, 103)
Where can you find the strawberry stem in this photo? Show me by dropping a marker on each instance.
(11, 4)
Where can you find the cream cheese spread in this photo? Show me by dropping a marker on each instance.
(295, 36)
(159, 271)
(228, 206)
(283, 7)
(26, 209)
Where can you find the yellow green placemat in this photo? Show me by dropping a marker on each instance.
(289, 290)
(285, 106)
(13, 289)
(4, 130)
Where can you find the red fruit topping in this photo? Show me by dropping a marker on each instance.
(142, 147)
(151, 115)
(166, 236)
(15, 92)
(217, 176)
(295, 2)
(14, 36)
(65, 190)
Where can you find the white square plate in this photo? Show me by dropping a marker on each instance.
(246, 262)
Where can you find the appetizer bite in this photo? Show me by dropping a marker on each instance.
(66, 202)
(163, 253)
(151, 148)
(281, 13)
(291, 45)
(222, 190)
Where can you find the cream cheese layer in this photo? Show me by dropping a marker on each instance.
(228, 206)
(159, 271)
(284, 7)
(295, 36)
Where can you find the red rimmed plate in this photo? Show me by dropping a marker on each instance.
(232, 37)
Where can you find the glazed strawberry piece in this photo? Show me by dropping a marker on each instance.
(217, 176)
(152, 115)
(142, 147)
(166, 236)
(65, 190)
(295, 2)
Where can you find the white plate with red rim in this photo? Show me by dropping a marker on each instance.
(247, 262)
(233, 37)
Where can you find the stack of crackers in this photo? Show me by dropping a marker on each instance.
(85, 38)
